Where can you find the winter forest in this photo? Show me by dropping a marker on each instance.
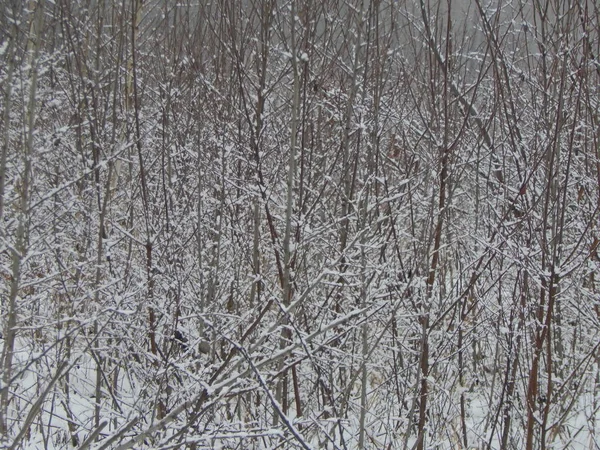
(286, 224)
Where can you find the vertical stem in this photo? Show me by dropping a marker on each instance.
(20, 249)
(10, 62)
(291, 176)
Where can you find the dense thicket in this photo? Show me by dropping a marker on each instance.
(312, 224)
